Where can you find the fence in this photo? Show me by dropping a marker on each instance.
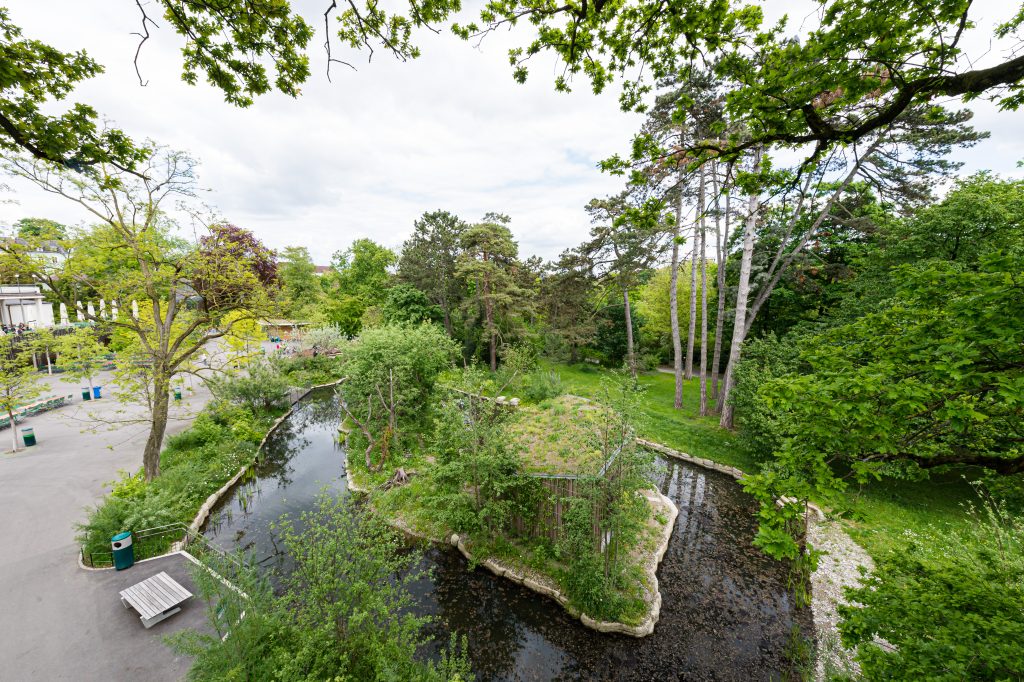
(153, 542)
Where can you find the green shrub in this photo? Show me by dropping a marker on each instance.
(949, 603)
(263, 389)
(542, 385)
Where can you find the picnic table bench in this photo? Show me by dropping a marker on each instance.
(155, 598)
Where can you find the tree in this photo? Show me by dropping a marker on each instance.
(407, 304)
(18, 380)
(232, 43)
(488, 263)
(429, 261)
(40, 228)
(566, 299)
(81, 355)
(358, 281)
(184, 292)
(299, 285)
(391, 372)
(624, 242)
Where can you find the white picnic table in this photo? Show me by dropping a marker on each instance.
(155, 598)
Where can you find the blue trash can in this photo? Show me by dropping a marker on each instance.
(124, 555)
(96, 392)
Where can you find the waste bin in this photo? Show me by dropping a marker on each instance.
(96, 392)
(124, 555)
(29, 435)
(85, 393)
(177, 392)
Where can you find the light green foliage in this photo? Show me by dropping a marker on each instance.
(933, 379)
(18, 380)
(541, 384)
(407, 304)
(652, 304)
(195, 463)
(343, 614)
(300, 287)
(80, 354)
(40, 228)
(391, 372)
(948, 603)
(981, 214)
(357, 284)
(478, 481)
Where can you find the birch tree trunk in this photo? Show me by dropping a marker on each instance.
(692, 329)
(739, 331)
(721, 241)
(673, 307)
(630, 353)
(703, 304)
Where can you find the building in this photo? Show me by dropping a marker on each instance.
(24, 304)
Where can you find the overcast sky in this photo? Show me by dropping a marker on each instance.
(364, 156)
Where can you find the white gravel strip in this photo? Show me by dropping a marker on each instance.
(838, 568)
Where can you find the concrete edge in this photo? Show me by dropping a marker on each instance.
(214, 498)
(547, 587)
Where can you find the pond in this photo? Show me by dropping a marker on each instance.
(726, 611)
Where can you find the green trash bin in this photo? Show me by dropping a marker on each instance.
(86, 395)
(177, 392)
(124, 555)
(29, 435)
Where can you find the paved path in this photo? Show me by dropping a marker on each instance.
(52, 625)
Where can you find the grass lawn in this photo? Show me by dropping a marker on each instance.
(880, 512)
(682, 430)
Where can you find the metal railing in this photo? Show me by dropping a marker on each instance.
(152, 542)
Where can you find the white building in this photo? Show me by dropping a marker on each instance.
(24, 304)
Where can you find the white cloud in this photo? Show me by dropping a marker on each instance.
(365, 155)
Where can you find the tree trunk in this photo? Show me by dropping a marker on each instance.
(703, 304)
(692, 329)
(158, 425)
(739, 331)
(673, 306)
(630, 353)
(721, 242)
(14, 431)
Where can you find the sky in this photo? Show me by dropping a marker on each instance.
(369, 152)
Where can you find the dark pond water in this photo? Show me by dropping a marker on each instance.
(726, 613)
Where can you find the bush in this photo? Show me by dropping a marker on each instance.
(542, 385)
(263, 389)
(948, 603)
(324, 340)
(760, 426)
(351, 622)
(194, 464)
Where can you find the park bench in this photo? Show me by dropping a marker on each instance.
(155, 598)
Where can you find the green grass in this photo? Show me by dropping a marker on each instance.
(682, 430)
(880, 512)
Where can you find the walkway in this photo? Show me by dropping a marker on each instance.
(56, 616)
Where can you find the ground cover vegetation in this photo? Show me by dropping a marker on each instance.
(860, 334)
(196, 462)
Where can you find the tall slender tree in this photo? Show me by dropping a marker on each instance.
(488, 264)
(625, 242)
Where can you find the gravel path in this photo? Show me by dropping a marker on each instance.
(838, 568)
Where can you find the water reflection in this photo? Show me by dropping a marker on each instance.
(726, 613)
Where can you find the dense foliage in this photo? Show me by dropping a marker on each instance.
(341, 614)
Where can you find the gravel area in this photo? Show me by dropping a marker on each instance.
(838, 568)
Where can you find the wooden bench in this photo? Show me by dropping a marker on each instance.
(155, 598)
